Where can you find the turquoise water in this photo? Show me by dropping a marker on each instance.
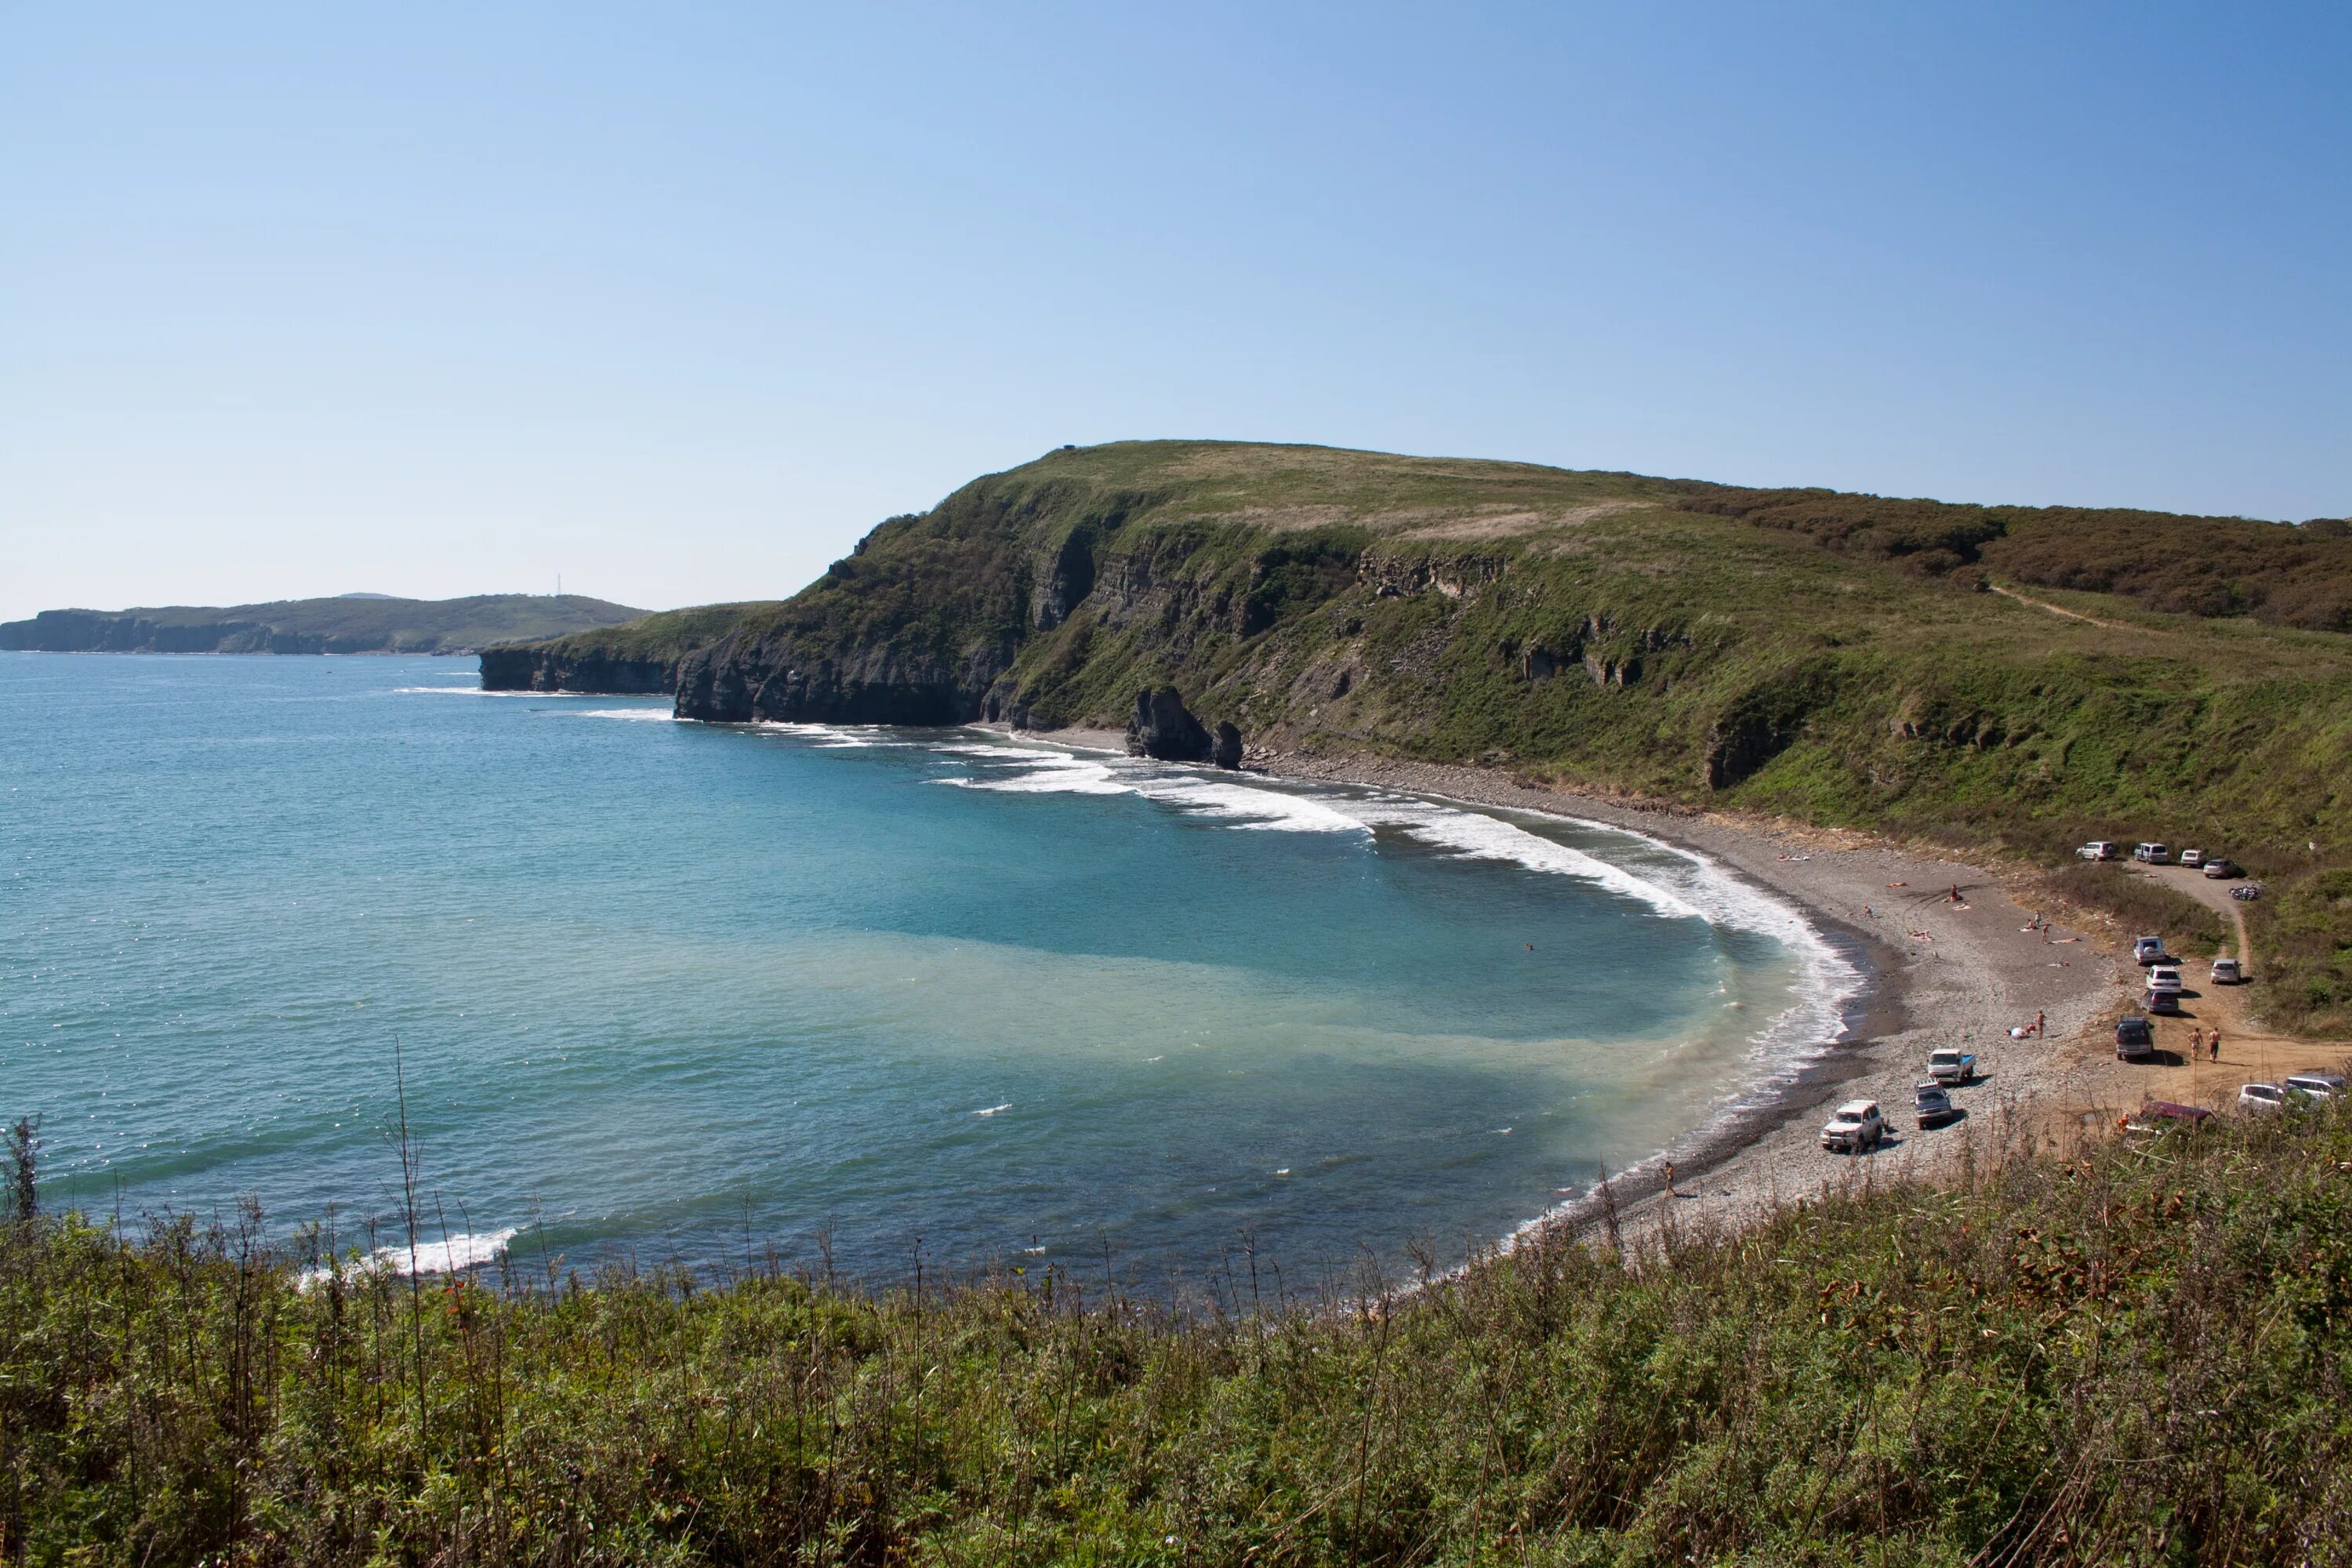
(678, 990)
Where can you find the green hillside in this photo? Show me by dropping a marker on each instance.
(1832, 657)
(351, 623)
(2135, 1356)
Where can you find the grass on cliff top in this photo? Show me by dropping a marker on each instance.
(2137, 1355)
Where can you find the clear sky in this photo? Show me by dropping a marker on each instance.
(679, 300)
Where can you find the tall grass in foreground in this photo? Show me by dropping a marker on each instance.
(2136, 1356)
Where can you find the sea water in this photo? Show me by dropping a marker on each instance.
(702, 995)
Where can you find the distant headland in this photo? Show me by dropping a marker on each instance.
(351, 622)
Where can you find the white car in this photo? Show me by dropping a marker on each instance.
(2152, 853)
(2192, 857)
(2100, 849)
(2148, 950)
(2315, 1085)
(2261, 1097)
(2164, 979)
(1855, 1127)
(2227, 973)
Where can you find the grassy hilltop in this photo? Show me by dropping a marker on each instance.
(1839, 658)
(350, 622)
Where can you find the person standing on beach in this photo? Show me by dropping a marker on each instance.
(1670, 1179)
(2196, 1043)
(2213, 1048)
(2038, 1021)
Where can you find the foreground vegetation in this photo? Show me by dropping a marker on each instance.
(2140, 1355)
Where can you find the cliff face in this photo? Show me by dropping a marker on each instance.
(541, 667)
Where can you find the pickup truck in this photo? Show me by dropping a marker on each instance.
(1950, 1065)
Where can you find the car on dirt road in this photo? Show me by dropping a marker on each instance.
(1855, 1128)
(2192, 857)
(2219, 871)
(1932, 1104)
(2152, 853)
(2148, 950)
(2315, 1085)
(2100, 849)
(2263, 1099)
(2164, 977)
(2164, 1002)
(2134, 1040)
(2227, 972)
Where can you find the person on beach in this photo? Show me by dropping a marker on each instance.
(2213, 1046)
(2037, 1022)
(2196, 1043)
(1670, 1180)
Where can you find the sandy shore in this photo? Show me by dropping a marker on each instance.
(1940, 973)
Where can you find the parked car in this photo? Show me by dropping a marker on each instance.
(2165, 977)
(2154, 854)
(2192, 857)
(1932, 1103)
(1950, 1064)
(2315, 1085)
(2134, 1040)
(2159, 1114)
(1855, 1127)
(2245, 893)
(2148, 950)
(2100, 849)
(2219, 871)
(2165, 1002)
(2261, 1097)
(2226, 971)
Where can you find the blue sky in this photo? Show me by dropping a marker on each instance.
(679, 300)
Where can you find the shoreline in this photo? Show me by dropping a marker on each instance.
(1934, 973)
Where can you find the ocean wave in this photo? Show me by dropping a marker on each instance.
(462, 1251)
(829, 737)
(663, 714)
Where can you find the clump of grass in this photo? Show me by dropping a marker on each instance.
(2144, 907)
(2137, 1355)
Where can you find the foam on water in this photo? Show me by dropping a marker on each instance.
(661, 715)
(452, 1254)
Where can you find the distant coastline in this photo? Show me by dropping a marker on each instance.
(349, 624)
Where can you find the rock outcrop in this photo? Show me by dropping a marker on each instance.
(1165, 728)
(541, 666)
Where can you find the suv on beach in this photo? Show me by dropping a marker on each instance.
(2148, 950)
(1932, 1103)
(2100, 849)
(2134, 1040)
(1855, 1127)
